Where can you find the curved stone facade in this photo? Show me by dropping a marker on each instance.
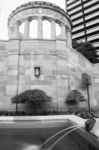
(47, 64)
(39, 11)
(38, 63)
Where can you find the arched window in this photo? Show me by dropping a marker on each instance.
(21, 29)
(46, 29)
(58, 30)
(33, 29)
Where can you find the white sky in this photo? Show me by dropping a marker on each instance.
(7, 6)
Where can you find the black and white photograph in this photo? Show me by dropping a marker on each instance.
(49, 74)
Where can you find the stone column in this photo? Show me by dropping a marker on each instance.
(16, 30)
(53, 29)
(10, 32)
(69, 38)
(26, 29)
(40, 28)
(63, 31)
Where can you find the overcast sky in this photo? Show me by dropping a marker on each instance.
(7, 6)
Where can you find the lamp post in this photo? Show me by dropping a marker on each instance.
(86, 80)
(18, 76)
(87, 85)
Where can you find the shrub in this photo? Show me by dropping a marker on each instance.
(35, 97)
(74, 97)
(80, 113)
(31, 96)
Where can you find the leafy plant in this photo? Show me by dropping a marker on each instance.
(34, 97)
(86, 49)
(74, 97)
(31, 96)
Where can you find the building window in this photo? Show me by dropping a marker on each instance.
(37, 71)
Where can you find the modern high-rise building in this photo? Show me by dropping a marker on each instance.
(84, 15)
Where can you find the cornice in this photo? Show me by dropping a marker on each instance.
(38, 4)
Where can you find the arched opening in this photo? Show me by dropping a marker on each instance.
(58, 31)
(46, 29)
(33, 29)
(21, 30)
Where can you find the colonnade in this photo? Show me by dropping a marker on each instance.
(65, 32)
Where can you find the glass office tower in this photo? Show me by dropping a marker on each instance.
(84, 15)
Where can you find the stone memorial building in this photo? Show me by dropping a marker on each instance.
(49, 64)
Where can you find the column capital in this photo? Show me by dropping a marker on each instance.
(28, 19)
(17, 23)
(46, 18)
(40, 18)
(62, 24)
(52, 20)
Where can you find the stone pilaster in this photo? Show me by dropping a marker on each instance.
(40, 28)
(16, 30)
(63, 31)
(53, 29)
(26, 29)
(10, 32)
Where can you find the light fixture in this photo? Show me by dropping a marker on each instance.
(37, 71)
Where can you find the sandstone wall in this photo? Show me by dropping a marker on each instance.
(3, 71)
(61, 71)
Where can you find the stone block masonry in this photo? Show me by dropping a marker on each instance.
(60, 66)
